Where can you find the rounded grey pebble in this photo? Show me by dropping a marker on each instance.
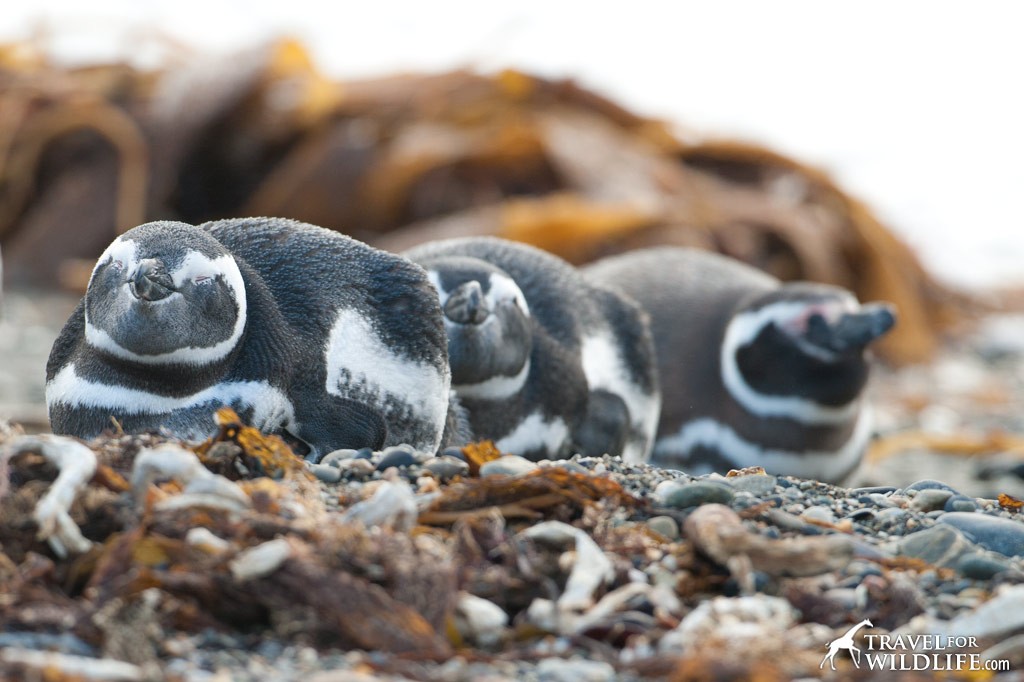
(756, 484)
(509, 465)
(818, 515)
(326, 473)
(664, 525)
(455, 452)
(446, 467)
(357, 467)
(981, 567)
(930, 484)
(685, 495)
(569, 465)
(991, 532)
(333, 458)
(880, 500)
(960, 503)
(930, 499)
(397, 456)
(938, 545)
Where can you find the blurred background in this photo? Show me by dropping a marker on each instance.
(876, 146)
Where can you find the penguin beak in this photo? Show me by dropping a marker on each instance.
(151, 281)
(852, 332)
(467, 305)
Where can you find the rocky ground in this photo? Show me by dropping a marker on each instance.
(396, 565)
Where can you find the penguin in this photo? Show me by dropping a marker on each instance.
(545, 364)
(303, 331)
(753, 372)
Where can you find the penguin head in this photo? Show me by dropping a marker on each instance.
(488, 324)
(165, 293)
(803, 343)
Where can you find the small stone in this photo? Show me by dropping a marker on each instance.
(873, 490)
(333, 458)
(326, 472)
(364, 453)
(455, 452)
(892, 519)
(818, 515)
(930, 499)
(356, 467)
(930, 484)
(508, 465)
(939, 545)
(664, 525)
(880, 500)
(991, 532)
(685, 495)
(977, 566)
(756, 484)
(397, 456)
(446, 467)
(574, 670)
(960, 503)
(480, 621)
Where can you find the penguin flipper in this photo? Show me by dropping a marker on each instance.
(606, 426)
(342, 423)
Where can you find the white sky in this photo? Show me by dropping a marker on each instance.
(914, 105)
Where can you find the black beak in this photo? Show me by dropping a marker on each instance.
(853, 331)
(151, 281)
(467, 305)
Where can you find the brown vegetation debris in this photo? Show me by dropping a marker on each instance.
(552, 492)
(399, 160)
(255, 454)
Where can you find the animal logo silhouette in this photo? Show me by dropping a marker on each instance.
(845, 642)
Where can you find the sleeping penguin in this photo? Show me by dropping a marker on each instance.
(303, 331)
(753, 372)
(545, 363)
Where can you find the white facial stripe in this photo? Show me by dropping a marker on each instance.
(743, 329)
(495, 388)
(605, 369)
(194, 265)
(503, 288)
(815, 464)
(271, 408)
(533, 433)
(197, 265)
(121, 249)
(353, 345)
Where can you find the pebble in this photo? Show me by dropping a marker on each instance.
(508, 465)
(357, 467)
(991, 532)
(664, 525)
(446, 467)
(879, 500)
(930, 484)
(960, 503)
(334, 458)
(939, 545)
(930, 499)
(818, 515)
(457, 453)
(756, 484)
(994, 619)
(574, 670)
(685, 495)
(326, 472)
(893, 519)
(977, 566)
(397, 456)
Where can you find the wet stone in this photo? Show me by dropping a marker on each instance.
(930, 499)
(685, 495)
(960, 503)
(326, 473)
(333, 458)
(991, 532)
(930, 484)
(509, 465)
(457, 453)
(756, 484)
(977, 566)
(397, 456)
(664, 525)
(446, 467)
(938, 545)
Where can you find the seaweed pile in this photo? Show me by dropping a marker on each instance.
(88, 152)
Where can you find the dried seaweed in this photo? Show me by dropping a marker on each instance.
(396, 161)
